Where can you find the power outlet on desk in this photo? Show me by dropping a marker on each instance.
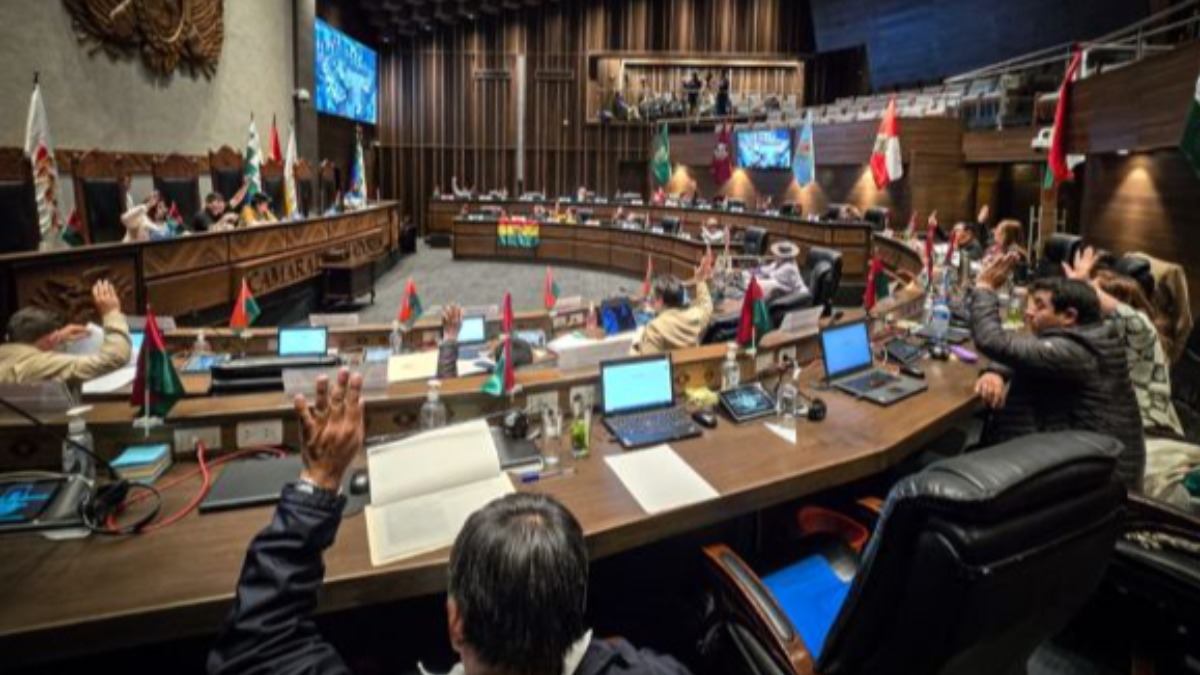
(586, 392)
(786, 354)
(536, 403)
(259, 433)
(186, 439)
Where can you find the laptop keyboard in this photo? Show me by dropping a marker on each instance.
(871, 380)
(652, 426)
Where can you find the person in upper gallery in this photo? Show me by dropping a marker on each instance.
(146, 221)
(258, 211)
(724, 106)
(460, 192)
(34, 335)
(1067, 372)
(678, 326)
(517, 594)
(217, 214)
(691, 88)
(782, 275)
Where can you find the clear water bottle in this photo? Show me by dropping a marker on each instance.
(731, 372)
(201, 345)
(939, 324)
(75, 460)
(433, 411)
(396, 339)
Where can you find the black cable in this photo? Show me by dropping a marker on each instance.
(45, 430)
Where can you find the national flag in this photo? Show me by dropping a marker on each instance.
(503, 380)
(756, 318)
(506, 315)
(73, 234)
(877, 284)
(804, 163)
(722, 161)
(291, 200)
(1059, 168)
(252, 162)
(550, 290)
(39, 148)
(356, 195)
(1191, 133)
(276, 153)
(660, 165)
(930, 232)
(245, 309)
(157, 387)
(646, 283)
(410, 304)
(949, 259)
(887, 165)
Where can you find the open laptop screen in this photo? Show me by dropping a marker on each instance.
(846, 348)
(638, 384)
(136, 338)
(472, 330)
(303, 341)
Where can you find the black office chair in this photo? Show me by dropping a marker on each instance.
(177, 179)
(722, 329)
(671, 225)
(878, 217)
(584, 215)
(1138, 269)
(1059, 248)
(974, 562)
(822, 272)
(754, 241)
(791, 210)
(735, 205)
(833, 212)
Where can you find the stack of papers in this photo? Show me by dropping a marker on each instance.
(659, 479)
(143, 463)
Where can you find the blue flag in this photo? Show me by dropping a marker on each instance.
(804, 164)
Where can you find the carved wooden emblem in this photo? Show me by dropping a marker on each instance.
(169, 34)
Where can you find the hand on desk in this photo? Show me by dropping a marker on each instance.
(333, 429)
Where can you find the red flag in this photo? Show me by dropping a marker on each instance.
(887, 165)
(73, 235)
(550, 290)
(722, 162)
(276, 151)
(649, 277)
(756, 318)
(930, 231)
(156, 387)
(873, 272)
(912, 226)
(245, 310)
(506, 315)
(1058, 144)
(410, 304)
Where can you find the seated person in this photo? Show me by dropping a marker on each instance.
(217, 215)
(1006, 239)
(258, 211)
(712, 233)
(35, 333)
(518, 583)
(1067, 372)
(677, 326)
(460, 192)
(966, 242)
(447, 364)
(147, 220)
(781, 276)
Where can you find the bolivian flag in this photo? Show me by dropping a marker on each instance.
(245, 310)
(157, 387)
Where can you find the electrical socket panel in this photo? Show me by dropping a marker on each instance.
(786, 354)
(536, 403)
(763, 362)
(259, 433)
(185, 439)
(587, 392)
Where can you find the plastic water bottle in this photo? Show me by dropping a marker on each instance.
(939, 324)
(433, 411)
(75, 460)
(731, 372)
(201, 345)
(396, 339)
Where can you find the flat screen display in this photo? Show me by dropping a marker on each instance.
(347, 80)
(303, 341)
(636, 385)
(472, 331)
(846, 348)
(23, 501)
(767, 149)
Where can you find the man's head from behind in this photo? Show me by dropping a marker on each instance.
(35, 326)
(667, 292)
(518, 586)
(1058, 302)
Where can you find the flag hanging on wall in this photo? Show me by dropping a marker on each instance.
(245, 309)
(252, 161)
(39, 148)
(410, 304)
(1191, 133)
(660, 165)
(804, 164)
(1059, 168)
(755, 321)
(722, 162)
(887, 164)
(291, 202)
(157, 387)
(550, 290)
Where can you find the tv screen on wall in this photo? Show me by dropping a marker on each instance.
(347, 81)
(768, 149)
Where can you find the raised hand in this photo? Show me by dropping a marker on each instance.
(1081, 268)
(997, 273)
(452, 320)
(333, 429)
(105, 298)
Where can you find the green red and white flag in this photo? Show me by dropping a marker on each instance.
(1191, 133)
(503, 380)
(887, 164)
(252, 161)
(646, 282)
(550, 290)
(245, 309)
(157, 386)
(877, 284)
(756, 318)
(410, 304)
(73, 234)
(1060, 169)
(39, 148)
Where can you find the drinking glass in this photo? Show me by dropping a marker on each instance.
(785, 405)
(551, 438)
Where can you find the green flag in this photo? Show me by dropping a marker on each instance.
(1191, 133)
(661, 164)
(157, 385)
(252, 162)
(502, 380)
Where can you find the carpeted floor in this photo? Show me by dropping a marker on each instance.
(440, 279)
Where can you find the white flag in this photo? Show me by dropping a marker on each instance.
(40, 150)
(291, 202)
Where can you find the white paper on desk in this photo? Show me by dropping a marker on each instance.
(114, 381)
(408, 367)
(88, 344)
(659, 479)
(783, 432)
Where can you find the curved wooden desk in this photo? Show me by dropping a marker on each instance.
(192, 274)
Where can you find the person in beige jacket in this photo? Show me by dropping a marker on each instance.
(34, 333)
(677, 326)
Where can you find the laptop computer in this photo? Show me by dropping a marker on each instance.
(303, 341)
(638, 400)
(849, 366)
(472, 337)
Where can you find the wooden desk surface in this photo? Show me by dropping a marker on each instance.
(71, 598)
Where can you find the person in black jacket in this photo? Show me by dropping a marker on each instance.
(1067, 372)
(518, 574)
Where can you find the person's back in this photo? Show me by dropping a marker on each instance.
(678, 325)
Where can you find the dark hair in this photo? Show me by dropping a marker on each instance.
(518, 576)
(213, 197)
(669, 289)
(260, 198)
(1127, 290)
(1071, 294)
(32, 324)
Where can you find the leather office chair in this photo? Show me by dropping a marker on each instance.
(18, 204)
(1138, 269)
(327, 184)
(100, 196)
(306, 190)
(1059, 248)
(822, 272)
(225, 170)
(584, 215)
(791, 209)
(833, 212)
(974, 562)
(754, 241)
(878, 217)
(177, 179)
(671, 225)
(272, 184)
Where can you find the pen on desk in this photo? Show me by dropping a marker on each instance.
(535, 476)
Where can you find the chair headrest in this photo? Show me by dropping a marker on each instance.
(818, 254)
(1061, 247)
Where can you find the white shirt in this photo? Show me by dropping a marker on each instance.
(571, 660)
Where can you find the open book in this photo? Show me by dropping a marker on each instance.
(424, 487)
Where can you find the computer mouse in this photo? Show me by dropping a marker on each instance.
(939, 352)
(360, 483)
(705, 418)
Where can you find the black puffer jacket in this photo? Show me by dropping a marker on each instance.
(1071, 378)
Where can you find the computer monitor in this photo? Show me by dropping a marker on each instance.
(307, 341)
(846, 348)
(136, 338)
(473, 331)
(633, 385)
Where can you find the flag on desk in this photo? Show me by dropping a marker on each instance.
(756, 318)
(930, 234)
(887, 164)
(73, 234)
(506, 315)
(550, 290)
(39, 148)
(660, 165)
(877, 284)
(157, 387)
(245, 309)
(646, 283)
(503, 380)
(290, 201)
(276, 152)
(410, 304)
(1191, 133)
(174, 220)
(1060, 170)
(252, 162)
(804, 164)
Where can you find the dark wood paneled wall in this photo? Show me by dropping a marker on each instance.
(449, 99)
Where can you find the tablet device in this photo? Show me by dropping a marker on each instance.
(23, 501)
(747, 402)
(901, 352)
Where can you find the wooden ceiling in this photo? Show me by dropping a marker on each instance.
(407, 18)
